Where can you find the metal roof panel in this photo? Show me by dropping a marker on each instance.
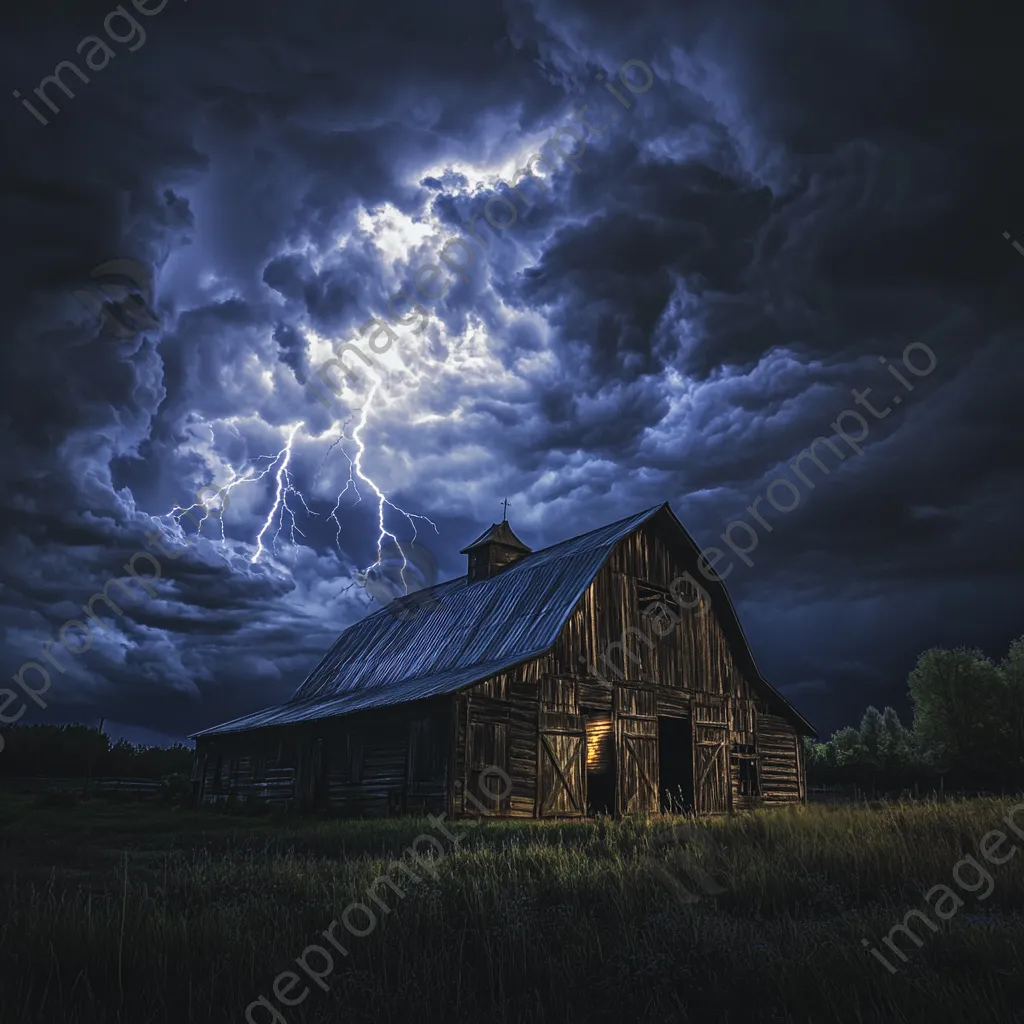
(475, 630)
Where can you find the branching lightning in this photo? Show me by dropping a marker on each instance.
(279, 464)
(280, 506)
(355, 470)
(285, 487)
(350, 482)
(356, 466)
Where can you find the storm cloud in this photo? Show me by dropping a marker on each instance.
(797, 195)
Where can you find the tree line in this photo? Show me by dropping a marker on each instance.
(76, 751)
(967, 730)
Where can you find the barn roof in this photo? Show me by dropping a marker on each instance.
(498, 533)
(474, 631)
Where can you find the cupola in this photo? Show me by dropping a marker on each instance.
(495, 549)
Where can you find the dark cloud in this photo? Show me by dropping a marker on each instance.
(798, 193)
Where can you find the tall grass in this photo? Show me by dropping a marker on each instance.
(131, 916)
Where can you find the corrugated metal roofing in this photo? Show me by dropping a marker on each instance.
(476, 630)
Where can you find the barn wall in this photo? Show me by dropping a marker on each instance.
(497, 727)
(694, 656)
(780, 752)
(372, 764)
(690, 667)
(531, 720)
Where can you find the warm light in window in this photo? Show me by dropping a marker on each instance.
(599, 738)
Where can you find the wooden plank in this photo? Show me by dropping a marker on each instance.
(636, 731)
(562, 774)
(712, 786)
(487, 748)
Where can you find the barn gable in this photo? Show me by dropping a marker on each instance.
(475, 630)
(564, 672)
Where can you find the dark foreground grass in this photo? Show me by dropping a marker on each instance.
(124, 914)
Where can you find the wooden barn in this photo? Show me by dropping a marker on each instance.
(607, 673)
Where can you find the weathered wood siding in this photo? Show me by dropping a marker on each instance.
(683, 670)
(375, 763)
(505, 705)
(694, 656)
(608, 647)
(780, 760)
(620, 663)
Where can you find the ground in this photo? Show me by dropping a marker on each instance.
(139, 914)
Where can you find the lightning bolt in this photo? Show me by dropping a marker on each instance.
(355, 470)
(350, 482)
(279, 464)
(284, 488)
(279, 509)
(382, 500)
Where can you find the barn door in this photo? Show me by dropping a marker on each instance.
(561, 755)
(711, 768)
(488, 749)
(636, 734)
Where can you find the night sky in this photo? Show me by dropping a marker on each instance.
(772, 205)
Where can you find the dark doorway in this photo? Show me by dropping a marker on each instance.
(675, 781)
(600, 762)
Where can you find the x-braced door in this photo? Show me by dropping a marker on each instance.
(636, 732)
(711, 768)
(561, 756)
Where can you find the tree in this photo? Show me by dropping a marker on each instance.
(968, 725)
(51, 750)
(1012, 672)
(850, 753)
(957, 715)
(74, 751)
(820, 758)
(894, 748)
(871, 738)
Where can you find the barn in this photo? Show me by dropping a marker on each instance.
(607, 673)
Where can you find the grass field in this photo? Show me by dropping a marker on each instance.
(134, 914)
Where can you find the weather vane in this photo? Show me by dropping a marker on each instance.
(504, 511)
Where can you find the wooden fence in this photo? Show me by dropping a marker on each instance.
(150, 788)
